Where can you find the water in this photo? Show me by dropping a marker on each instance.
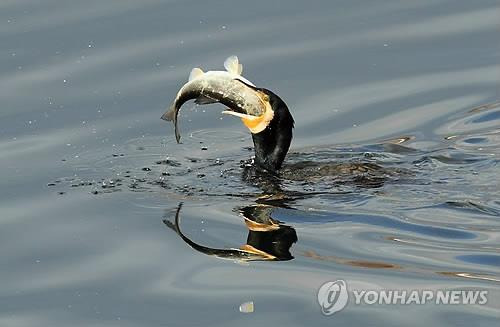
(92, 179)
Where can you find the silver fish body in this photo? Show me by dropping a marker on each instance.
(229, 89)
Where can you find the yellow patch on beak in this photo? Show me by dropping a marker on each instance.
(256, 124)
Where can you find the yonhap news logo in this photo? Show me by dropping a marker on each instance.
(333, 296)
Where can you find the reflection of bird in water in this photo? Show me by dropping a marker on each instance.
(267, 240)
(267, 117)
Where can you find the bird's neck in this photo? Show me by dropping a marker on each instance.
(272, 144)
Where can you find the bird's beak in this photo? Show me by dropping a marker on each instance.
(255, 124)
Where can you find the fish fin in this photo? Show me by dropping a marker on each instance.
(195, 72)
(169, 115)
(233, 66)
(203, 99)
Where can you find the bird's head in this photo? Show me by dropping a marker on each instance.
(271, 131)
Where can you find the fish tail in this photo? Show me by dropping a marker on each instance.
(177, 133)
(169, 115)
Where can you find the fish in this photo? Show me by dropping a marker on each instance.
(229, 88)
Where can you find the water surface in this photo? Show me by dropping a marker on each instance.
(91, 178)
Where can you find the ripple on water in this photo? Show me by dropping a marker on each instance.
(83, 237)
(435, 214)
(481, 259)
(478, 130)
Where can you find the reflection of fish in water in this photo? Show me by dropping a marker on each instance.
(268, 240)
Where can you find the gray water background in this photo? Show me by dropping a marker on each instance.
(82, 87)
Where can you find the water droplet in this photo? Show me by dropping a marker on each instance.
(247, 307)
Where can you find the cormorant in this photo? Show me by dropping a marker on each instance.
(267, 117)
